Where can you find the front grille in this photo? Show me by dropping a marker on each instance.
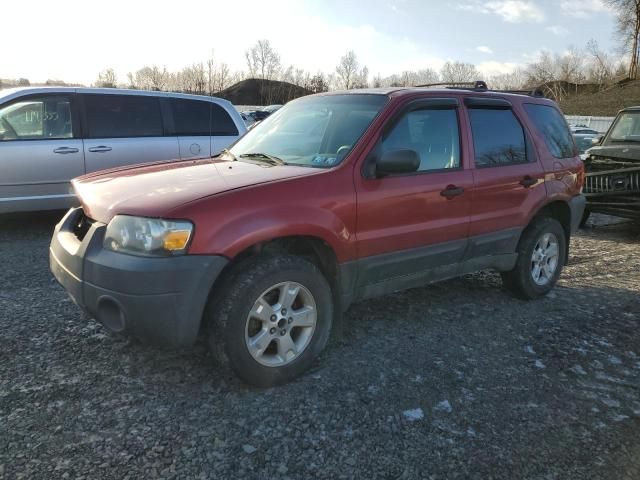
(615, 181)
(82, 226)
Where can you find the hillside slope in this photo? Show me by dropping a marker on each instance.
(604, 103)
(254, 91)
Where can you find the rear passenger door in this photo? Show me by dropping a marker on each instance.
(224, 130)
(192, 125)
(508, 177)
(125, 130)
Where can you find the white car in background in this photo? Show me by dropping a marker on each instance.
(50, 135)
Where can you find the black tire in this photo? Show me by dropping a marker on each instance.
(228, 310)
(520, 280)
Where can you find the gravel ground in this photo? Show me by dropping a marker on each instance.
(455, 380)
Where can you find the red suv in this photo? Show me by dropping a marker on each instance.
(333, 199)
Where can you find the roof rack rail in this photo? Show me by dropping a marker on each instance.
(477, 85)
(481, 86)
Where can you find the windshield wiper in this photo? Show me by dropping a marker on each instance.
(626, 140)
(264, 157)
(226, 151)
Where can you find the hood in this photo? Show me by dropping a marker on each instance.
(622, 151)
(154, 189)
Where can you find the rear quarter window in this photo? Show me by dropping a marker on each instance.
(554, 129)
(191, 117)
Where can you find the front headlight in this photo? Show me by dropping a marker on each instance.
(152, 237)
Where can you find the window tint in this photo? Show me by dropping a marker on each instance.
(191, 117)
(553, 127)
(498, 138)
(222, 124)
(113, 116)
(36, 119)
(433, 134)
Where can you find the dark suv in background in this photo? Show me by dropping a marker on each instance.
(335, 198)
(613, 169)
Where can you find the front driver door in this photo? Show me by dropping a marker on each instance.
(413, 228)
(40, 151)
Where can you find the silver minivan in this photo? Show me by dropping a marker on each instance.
(50, 135)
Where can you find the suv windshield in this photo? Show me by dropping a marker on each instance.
(313, 131)
(626, 128)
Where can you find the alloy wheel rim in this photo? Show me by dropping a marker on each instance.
(281, 323)
(545, 259)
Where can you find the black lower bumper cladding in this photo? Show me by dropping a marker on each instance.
(159, 300)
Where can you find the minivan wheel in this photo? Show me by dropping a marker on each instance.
(541, 254)
(271, 319)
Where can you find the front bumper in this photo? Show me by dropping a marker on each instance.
(159, 300)
(614, 192)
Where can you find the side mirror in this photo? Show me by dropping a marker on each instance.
(397, 161)
(597, 140)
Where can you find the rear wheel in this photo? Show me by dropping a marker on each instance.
(541, 254)
(271, 319)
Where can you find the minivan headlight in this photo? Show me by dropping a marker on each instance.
(153, 237)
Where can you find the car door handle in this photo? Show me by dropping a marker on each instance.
(452, 191)
(528, 181)
(100, 149)
(65, 150)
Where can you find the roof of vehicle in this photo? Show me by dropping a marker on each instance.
(16, 92)
(631, 109)
(402, 91)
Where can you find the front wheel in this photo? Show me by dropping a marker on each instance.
(541, 254)
(271, 319)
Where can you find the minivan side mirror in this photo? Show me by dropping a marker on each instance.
(397, 161)
(597, 140)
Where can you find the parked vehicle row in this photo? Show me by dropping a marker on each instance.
(50, 135)
(251, 117)
(337, 198)
(584, 137)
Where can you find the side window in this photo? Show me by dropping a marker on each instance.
(45, 118)
(498, 138)
(118, 116)
(554, 129)
(433, 134)
(222, 124)
(191, 117)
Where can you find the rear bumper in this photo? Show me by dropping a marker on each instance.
(159, 300)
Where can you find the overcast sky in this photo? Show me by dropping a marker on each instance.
(75, 39)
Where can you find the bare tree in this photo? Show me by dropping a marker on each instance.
(602, 68)
(515, 80)
(458, 72)
(347, 70)
(107, 79)
(263, 61)
(628, 30)
(150, 78)
(319, 83)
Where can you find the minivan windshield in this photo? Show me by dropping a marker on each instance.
(312, 132)
(626, 128)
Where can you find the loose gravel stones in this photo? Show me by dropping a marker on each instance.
(506, 388)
